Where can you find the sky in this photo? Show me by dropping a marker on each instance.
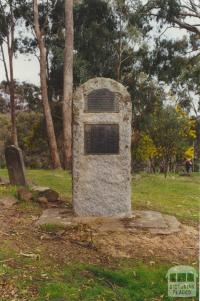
(26, 68)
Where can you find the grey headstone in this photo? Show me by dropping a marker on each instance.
(102, 149)
(15, 165)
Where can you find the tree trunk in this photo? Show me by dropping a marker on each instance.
(4, 63)
(118, 75)
(68, 84)
(12, 101)
(10, 47)
(166, 166)
(44, 91)
(47, 111)
(11, 86)
(197, 148)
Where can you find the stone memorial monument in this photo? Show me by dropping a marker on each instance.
(15, 165)
(102, 149)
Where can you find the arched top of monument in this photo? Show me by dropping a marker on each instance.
(98, 83)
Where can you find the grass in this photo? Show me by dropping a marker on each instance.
(82, 282)
(93, 283)
(52, 228)
(124, 280)
(179, 196)
(58, 180)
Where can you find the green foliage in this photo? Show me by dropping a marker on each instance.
(29, 95)
(175, 60)
(3, 106)
(167, 131)
(95, 27)
(8, 10)
(94, 43)
(147, 97)
(98, 36)
(112, 39)
(144, 149)
(31, 133)
(170, 132)
(5, 129)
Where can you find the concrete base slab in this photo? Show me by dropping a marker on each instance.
(173, 225)
(152, 221)
(148, 219)
(56, 216)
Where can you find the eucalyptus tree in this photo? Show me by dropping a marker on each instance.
(170, 133)
(107, 42)
(40, 30)
(9, 18)
(94, 38)
(177, 60)
(68, 84)
(184, 14)
(128, 36)
(36, 18)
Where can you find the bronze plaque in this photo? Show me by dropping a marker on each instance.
(101, 139)
(101, 100)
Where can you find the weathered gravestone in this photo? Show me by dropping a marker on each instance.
(15, 165)
(102, 149)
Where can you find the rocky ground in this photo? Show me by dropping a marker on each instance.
(93, 240)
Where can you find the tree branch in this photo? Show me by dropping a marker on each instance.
(36, 20)
(4, 63)
(186, 26)
(46, 22)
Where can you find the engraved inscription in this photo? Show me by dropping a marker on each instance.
(101, 139)
(101, 100)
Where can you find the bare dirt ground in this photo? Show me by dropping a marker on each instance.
(56, 247)
(19, 233)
